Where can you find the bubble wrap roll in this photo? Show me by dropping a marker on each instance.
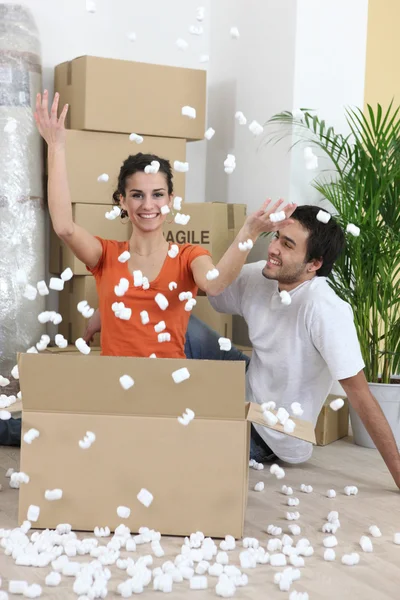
(22, 213)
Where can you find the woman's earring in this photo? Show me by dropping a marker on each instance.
(172, 217)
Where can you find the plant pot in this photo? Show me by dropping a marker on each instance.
(388, 397)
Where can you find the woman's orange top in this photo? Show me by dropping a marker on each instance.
(130, 337)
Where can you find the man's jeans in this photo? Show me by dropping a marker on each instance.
(201, 343)
(10, 432)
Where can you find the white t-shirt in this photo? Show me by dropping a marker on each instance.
(298, 350)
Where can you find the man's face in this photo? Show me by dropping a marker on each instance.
(287, 256)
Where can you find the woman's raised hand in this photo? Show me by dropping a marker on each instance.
(259, 222)
(50, 127)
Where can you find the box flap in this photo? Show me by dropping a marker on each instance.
(76, 383)
(16, 407)
(331, 397)
(70, 349)
(304, 429)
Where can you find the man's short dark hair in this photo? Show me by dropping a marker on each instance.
(325, 242)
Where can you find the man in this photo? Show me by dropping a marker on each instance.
(300, 349)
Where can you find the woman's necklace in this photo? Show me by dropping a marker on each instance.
(150, 253)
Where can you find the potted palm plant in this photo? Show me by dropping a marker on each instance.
(362, 183)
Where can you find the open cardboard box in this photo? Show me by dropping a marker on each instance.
(197, 474)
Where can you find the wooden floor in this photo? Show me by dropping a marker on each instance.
(377, 577)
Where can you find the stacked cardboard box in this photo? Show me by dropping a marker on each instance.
(99, 122)
(121, 96)
(213, 225)
(73, 323)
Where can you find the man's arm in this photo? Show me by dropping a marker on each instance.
(370, 413)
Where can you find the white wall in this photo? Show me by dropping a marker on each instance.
(331, 42)
(67, 30)
(303, 53)
(254, 74)
(290, 53)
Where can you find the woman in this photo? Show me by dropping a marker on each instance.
(141, 196)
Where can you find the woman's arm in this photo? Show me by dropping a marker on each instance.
(83, 244)
(233, 260)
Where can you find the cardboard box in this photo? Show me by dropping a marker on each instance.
(90, 153)
(332, 425)
(91, 217)
(68, 394)
(218, 321)
(74, 324)
(123, 96)
(213, 225)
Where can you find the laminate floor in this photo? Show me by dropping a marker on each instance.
(376, 577)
